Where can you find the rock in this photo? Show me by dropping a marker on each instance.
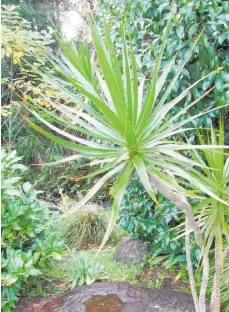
(113, 297)
(131, 251)
(135, 299)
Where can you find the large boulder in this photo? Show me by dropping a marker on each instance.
(107, 296)
(124, 298)
(131, 251)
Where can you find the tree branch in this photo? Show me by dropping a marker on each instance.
(180, 202)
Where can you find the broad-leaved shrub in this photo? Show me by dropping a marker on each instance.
(28, 234)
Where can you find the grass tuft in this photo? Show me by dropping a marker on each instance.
(85, 227)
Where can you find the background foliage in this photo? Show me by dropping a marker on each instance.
(146, 21)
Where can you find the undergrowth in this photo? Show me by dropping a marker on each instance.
(85, 227)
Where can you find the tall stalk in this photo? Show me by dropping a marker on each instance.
(10, 103)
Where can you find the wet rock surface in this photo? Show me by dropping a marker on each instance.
(135, 299)
(114, 297)
(131, 251)
(111, 303)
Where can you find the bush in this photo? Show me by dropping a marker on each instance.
(84, 227)
(156, 224)
(28, 238)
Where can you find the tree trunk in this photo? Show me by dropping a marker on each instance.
(215, 298)
(182, 202)
(11, 102)
(204, 284)
(190, 268)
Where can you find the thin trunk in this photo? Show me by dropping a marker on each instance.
(204, 284)
(180, 202)
(11, 101)
(215, 299)
(190, 268)
(225, 253)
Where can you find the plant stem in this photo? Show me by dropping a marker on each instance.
(215, 297)
(180, 202)
(215, 304)
(204, 284)
(11, 101)
(190, 268)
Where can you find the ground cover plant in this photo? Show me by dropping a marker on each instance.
(79, 267)
(69, 272)
(132, 127)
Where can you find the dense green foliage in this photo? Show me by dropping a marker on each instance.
(41, 14)
(156, 223)
(146, 21)
(28, 238)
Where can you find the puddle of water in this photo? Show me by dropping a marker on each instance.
(108, 303)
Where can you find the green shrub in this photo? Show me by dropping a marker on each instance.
(28, 239)
(85, 227)
(156, 224)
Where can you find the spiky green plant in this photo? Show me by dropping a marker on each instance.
(212, 214)
(129, 125)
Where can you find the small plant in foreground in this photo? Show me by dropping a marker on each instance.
(83, 269)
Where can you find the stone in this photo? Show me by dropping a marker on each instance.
(135, 299)
(131, 251)
(113, 296)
